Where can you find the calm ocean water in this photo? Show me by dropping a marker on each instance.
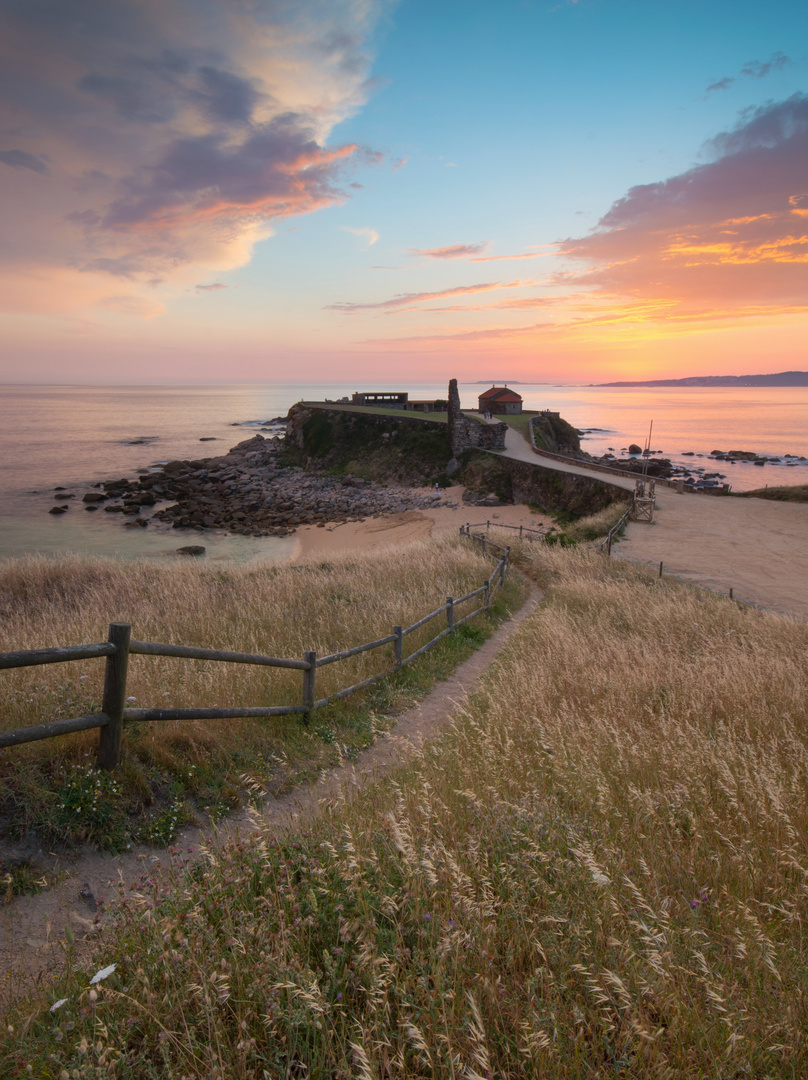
(69, 435)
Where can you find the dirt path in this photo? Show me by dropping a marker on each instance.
(32, 928)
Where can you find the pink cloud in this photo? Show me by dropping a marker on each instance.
(162, 140)
(456, 251)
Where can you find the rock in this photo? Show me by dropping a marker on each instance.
(92, 506)
(452, 466)
(64, 495)
(191, 549)
(208, 438)
(58, 510)
(93, 497)
(634, 449)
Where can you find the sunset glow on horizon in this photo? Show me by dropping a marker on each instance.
(248, 190)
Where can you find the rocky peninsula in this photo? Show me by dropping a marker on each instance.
(250, 492)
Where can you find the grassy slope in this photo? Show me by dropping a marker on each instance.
(599, 870)
(786, 493)
(175, 771)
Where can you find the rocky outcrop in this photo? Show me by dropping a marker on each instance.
(248, 492)
(551, 432)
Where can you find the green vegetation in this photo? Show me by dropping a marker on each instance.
(598, 870)
(787, 493)
(519, 422)
(570, 530)
(175, 772)
(415, 451)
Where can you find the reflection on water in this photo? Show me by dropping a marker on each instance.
(48, 534)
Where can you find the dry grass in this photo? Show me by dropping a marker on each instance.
(600, 870)
(277, 611)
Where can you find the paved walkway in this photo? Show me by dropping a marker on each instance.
(518, 448)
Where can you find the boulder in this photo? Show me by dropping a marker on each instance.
(634, 449)
(191, 549)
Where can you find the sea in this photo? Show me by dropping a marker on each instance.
(71, 436)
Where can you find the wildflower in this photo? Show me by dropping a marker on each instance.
(58, 1004)
(102, 974)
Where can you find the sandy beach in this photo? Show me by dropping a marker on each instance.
(411, 525)
(757, 547)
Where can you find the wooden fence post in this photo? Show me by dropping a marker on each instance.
(398, 645)
(609, 544)
(488, 596)
(450, 613)
(660, 569)
(485, 547)
(109, 742)
(309, 678)
(520, 532)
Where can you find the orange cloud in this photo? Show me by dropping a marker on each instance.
(670, 240)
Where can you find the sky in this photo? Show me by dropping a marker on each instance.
(378, 191)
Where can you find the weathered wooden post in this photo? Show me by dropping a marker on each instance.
(485, 546)
(488, 596)
(520, 532)
(731, 594)
(398, 645)
(609, 544)
(660, 569)
(450, 613)
(309, 677)
(109, 742)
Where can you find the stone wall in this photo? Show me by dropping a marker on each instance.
(559, 490)
(468, 434)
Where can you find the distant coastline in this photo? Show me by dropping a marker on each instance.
(782, 378)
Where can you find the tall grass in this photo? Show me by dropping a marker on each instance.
(277, 611)
(600, 870)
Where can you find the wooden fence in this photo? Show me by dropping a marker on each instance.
(523, 530)
(120, 646)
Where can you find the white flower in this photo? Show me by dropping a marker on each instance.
(58, 1004)
(102, 974)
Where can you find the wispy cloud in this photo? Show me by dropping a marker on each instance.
(370, 236)
(21, 159)
(215, 287)
(510, 258)
(753, 69)
(455, 251)
(410, 300)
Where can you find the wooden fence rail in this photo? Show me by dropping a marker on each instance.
(120, 646)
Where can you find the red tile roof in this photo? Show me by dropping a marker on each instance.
(500, 393)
